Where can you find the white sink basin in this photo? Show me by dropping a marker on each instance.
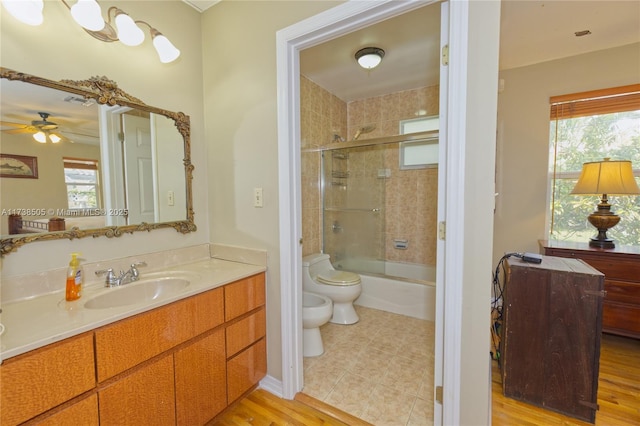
(146, 290)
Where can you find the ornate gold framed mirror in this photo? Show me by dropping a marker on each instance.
(107, 163)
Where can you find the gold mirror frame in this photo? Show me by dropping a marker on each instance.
(105, 91)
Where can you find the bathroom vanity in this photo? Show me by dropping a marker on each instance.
(179, 361)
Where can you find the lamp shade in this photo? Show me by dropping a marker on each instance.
(26, 11)
(606, 177)
(128, 32)
(166, 50)
(88, 14)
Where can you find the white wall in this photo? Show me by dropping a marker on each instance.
(60, 49)
(239, 45)
(523, 136)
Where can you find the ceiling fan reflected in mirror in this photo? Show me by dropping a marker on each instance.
(42, 130)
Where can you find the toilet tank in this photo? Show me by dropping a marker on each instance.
(316, 263)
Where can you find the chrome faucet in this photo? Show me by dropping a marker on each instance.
(111, 280)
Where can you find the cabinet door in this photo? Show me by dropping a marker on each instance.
(201, 380)
(246, 369)
(131, 341)
(145, 397)
(84, 412)
(243, 296)
(37, 381)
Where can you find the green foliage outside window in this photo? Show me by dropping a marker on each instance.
(579, 140)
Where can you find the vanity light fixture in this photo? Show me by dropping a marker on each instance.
(369, 57)
(88, 14)
(26, 11)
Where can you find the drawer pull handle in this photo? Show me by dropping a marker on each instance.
(598, 293)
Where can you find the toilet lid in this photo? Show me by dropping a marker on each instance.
(338, 278)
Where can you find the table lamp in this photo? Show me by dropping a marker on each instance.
(605, 178)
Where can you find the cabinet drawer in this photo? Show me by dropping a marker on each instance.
(245, 332)
(246, 369)
(621, 318)
(129, 342)
(37, 381)
(615, 268)
(243, 296)
(622, 291)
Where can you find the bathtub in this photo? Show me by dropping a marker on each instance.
(403, 288)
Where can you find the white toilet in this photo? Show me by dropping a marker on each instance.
(316, 311)
(319, 277)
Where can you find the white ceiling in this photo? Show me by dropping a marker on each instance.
(531, 32)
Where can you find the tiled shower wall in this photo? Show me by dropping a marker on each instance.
(410, 195)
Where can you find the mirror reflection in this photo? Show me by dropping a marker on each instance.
(88, 159)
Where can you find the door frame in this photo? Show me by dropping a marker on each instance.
(325, 26)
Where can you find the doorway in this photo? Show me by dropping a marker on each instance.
(355, 15)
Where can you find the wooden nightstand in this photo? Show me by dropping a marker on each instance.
(621, 268)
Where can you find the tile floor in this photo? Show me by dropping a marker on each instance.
(379, 369)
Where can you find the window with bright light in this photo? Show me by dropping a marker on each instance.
(589, 127)
(81, 178)
(419, 154)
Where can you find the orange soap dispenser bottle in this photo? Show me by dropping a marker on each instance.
(74, 279)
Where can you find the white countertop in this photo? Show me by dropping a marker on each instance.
(33, 323)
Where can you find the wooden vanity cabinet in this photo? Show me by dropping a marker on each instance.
(245, 335)
(42, 379)
(182, 363)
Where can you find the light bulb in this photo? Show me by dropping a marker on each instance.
(128, 32)
(26, 11)
(54, 138)
(166, 50)
(40, 137)
(88, 14)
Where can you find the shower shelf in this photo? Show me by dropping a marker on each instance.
(340, 155)
(336, 209)
(339, 174)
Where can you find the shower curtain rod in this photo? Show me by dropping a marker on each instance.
(410, 137)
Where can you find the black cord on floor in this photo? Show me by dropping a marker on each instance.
(496, 305)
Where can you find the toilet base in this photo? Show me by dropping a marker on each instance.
(312, 342)
(344, 313)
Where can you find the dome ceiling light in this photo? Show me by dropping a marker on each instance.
(369, 57)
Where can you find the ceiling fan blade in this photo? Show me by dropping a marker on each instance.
(19, 131)
(8, 123)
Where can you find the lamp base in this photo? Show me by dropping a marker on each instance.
(603, 219)
(605, 243)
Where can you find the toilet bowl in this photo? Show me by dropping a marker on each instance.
(342, 287)
(316, 311)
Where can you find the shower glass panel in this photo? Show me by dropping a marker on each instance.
(353, 181)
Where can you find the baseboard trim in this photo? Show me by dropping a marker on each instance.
(272, 385)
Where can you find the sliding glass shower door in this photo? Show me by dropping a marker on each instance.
(353, 197)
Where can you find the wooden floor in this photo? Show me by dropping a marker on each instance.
(261, 408)
(618, 392)
(618, 398)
